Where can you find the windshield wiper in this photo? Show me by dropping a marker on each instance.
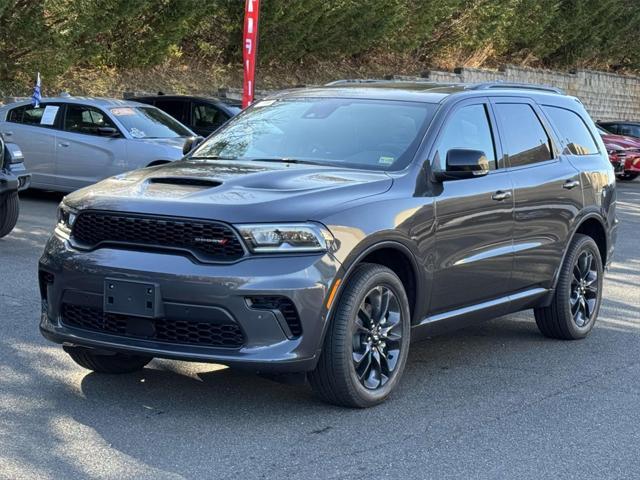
(286, 160)
(213, 157)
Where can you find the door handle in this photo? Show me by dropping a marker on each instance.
(63, 144)
(501, 195)
(8, 134)
(569, 184)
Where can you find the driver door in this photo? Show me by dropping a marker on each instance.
(474, 217)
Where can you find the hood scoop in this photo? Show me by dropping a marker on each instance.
(176, 187)
(198, 183)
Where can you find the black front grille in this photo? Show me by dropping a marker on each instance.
(228, 335)
(284, 305)
(207, 241)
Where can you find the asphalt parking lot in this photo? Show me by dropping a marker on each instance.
(492, 401)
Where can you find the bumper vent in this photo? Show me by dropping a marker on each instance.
(207, 241)
(284, 306)
(184, 332)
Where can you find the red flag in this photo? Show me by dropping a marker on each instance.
(249, 48)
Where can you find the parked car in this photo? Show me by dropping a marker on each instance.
(624, 154)
(72, 142)
(322, 229)
(13, 178)
(621, 127)
(203, 115)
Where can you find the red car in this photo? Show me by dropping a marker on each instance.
(624, 154)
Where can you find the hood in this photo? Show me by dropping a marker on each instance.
(621, 140)
(233, 192)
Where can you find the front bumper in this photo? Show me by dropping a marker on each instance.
(14, 181)
(187, 286)
(632, 163)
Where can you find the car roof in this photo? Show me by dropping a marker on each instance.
(227, 101)
(424, 91)
(95, 101)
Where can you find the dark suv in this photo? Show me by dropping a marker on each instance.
(320, 230)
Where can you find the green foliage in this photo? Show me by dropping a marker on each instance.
(52, 36)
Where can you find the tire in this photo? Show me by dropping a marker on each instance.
(628, 176)
(350, 336)
(116, 363)
(9, 212)
(568, 317)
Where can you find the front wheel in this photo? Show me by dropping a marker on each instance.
(366, 346)
(576, 302)
(9, 211)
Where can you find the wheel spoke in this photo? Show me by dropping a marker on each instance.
(364, 366)
(360, 328)
(365, 316)
(384, 305)
(590, 305)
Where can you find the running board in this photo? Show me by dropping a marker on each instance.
(463, 317)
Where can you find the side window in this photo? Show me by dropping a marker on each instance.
(32, 115)
(175, 108)
(84, 119)
(573, 131)
(630, 130)
(207, 116)
(523, 136)
(15, 114)
(467, 128)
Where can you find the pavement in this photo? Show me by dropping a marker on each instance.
(496, 400)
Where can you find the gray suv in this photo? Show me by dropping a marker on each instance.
(319, 231)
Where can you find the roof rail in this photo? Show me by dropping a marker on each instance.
(354, 80)
(524, 86)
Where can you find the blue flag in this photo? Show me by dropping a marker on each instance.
(36, 98)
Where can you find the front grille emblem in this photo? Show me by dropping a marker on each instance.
(215, 241)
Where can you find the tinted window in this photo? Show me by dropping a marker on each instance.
(148, 122)
(84, 119)
(207, 116)
(360, 133)
(573, 131)
(523, 136)
(468, 128)
(175, 108)
(31, 115)
(630, 130)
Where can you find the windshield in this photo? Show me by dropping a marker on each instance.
(360, 133)
(148, 122)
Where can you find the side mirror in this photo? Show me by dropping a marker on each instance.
(463, 163)
(191, 143)
(108, 132)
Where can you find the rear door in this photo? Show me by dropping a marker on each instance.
(547, 191)
(33, 129)
(474, 217)
(83, 155)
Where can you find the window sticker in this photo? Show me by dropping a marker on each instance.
(264, 103)
(136, 133)
(49, 115)
(123, 111)
(386, 160)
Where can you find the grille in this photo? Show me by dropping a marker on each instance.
(207, 241)
(286, 307)
(226, 335)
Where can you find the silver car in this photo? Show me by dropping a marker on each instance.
(72, 142)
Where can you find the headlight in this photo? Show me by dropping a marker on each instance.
(290, 237)
(66, 218)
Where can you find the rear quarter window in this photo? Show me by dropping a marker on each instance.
(572, 130)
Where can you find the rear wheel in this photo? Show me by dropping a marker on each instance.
(101, 363)
(628, 176)
(366, 346)
(576, 302)
(9, 211)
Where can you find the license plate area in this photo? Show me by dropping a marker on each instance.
(125, 297)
